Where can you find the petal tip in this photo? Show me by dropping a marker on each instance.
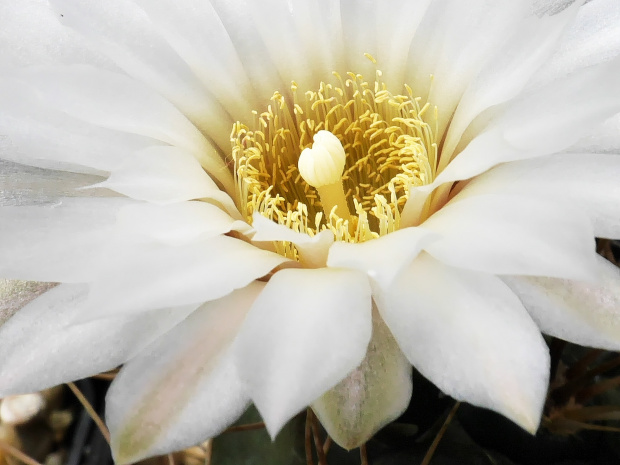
(529, 424)
(526, 419)
(121, 457)
(126, 448)
(273, 426)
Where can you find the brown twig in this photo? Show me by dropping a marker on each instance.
(593, 413)
(246, 427)
(562, 394)
(207, 446)
(327, 444)
(18, 454)
(555, 351)
(171, 459)
(580, 366)
(363, 455)
(595, 389)
(317, 440)
(308, 439)
(105, 376)
(91, 411)
(431, 450)
(574, 425)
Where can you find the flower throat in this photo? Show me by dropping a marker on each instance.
(380, 146)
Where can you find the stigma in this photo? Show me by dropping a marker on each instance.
(321, 166)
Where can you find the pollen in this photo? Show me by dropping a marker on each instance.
(343, 157)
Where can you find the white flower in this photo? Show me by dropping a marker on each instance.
(482, 163)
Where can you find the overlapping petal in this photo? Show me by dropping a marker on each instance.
(31, 35)
(506, 73)
(162, 175)
(306, 331)
(115, 101)
(123, 32)
(183, 388)
(440, 42)
(42, 333)
(604, 139)
(63, 242)
(77, 239)
(504, 234)
(366, 32)
(384, 258)
(581, 312)
(587, 180)
(39, 134)
(515, 135)
(470, 335)
(371, 396)
(159, 276)
(191, 29)
(312, 250)
(173, 224)
(593, 38)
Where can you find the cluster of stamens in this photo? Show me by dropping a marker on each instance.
(388, 148)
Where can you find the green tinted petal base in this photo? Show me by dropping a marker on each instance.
(371, 396)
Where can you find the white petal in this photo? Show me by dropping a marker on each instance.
(192, 27)
(161, 175)
(44, 40)
(512, 134)
(183, 388)
(516, 135)
(593, 38)
(313, 250)
(40, 347)
(123, 32)
(319, 26)
(71, 239)
(604, 139)
(160, 276)
(583, 313)
(270, 45)
(305, 332)
(371, 396)
(384, 258)
(452, 44)
(595, 91)
(373, 28)
(470, 335)
(62, 242)
(174, 224)
(295, 54)
(115, 101)
(78, 239)
(112, 100)
(40, 134)
(505, 75)
(589, 181)
(509, 234)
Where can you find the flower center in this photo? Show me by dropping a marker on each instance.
(342, 158)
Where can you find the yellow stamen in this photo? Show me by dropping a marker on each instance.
(341, 158)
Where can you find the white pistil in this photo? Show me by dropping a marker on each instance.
(321, 166)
